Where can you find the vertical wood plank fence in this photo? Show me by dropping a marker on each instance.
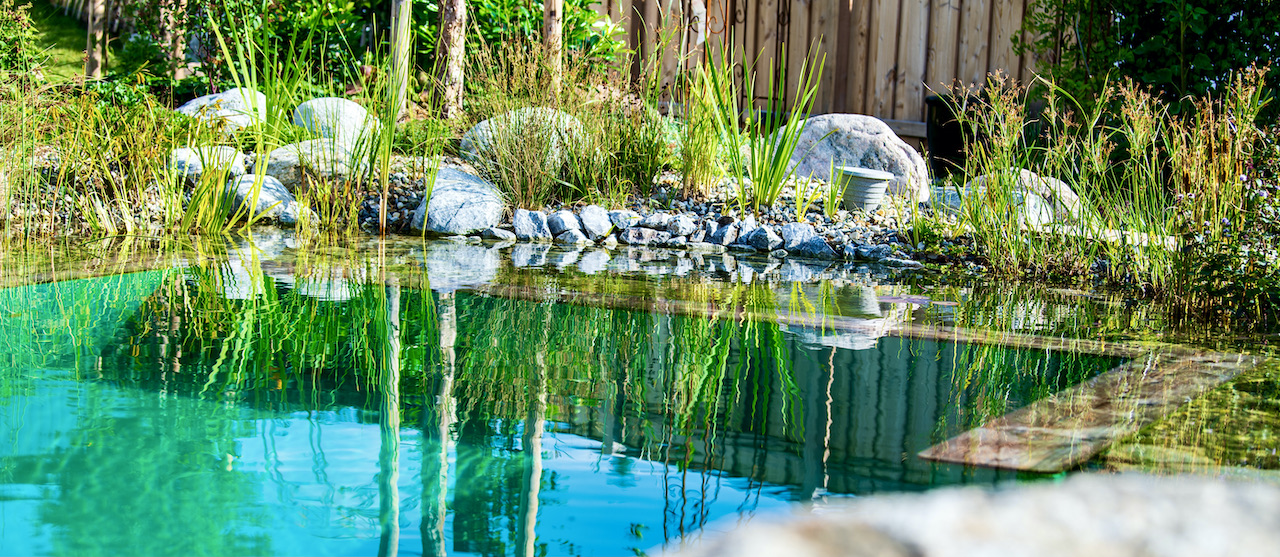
(880, 57)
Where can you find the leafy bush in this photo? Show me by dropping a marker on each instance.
(1179, 47)
(587, 34)
(18, 54)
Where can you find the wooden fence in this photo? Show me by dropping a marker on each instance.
(882, 57)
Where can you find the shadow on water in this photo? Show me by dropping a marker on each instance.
(449, 398)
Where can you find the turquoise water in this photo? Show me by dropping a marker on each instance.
(210, 411)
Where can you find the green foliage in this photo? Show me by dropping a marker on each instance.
(587, 33)
(763, 153)
(1179, 47)
(18, 54)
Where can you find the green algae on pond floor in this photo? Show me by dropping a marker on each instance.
(285, 403)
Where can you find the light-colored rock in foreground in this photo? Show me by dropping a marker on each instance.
(1085, 516)
(339, 119)
(460, 204)
(266, 197)
(320, 159)
(861, 141)
(191, 164)
(234, 108)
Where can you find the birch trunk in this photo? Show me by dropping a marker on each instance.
(453, 26)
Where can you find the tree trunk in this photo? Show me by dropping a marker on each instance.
(401, 14)
(453, 26)
(93, 48)
(553, 40)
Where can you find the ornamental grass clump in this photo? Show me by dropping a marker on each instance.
(759, 154)
(591, 140)
(1150, 183)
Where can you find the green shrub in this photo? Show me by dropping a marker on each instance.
(1180, 48)
(18, 54)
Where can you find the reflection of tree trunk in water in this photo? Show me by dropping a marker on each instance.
(532, 444)
(436, 469)
(389, 424)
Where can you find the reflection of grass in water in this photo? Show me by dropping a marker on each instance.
(989, 381)
(1237, 424)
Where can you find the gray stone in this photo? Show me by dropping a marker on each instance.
(191, 164)
(1088, 515)
(339, 119)
(778, 253)
(234, 108)
(572, 237)
(562, 220)
(814, 248)
(656, 221)
(873, 252)
(676, 242)
(547, 126)
(460, 203)
(762, 239)
(623, 220)
(725, 235)
(498, 234)
(640, 236)
(529, 255)
(595, 222)
(698, 235)
(531, 226)
(1038, 200)
(610, 241)
(316, 159)
(796, 233)
(860, 141)
(266, 198)
(681, 225)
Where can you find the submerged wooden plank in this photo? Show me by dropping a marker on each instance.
(1066, 429)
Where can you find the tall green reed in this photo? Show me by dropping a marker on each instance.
(760, 154)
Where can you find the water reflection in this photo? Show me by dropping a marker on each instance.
(225, 408)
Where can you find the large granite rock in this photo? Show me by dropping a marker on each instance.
(339, 119)
(191, 164)
(862, 141)
(266, 198)
(233, 108)
(1064, 202)
(460, 203)
(315, 159)
(1085, 516)
(1025, 198)
(536, 124)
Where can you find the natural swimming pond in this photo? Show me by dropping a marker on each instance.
(451, 398)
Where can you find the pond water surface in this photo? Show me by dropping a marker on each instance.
(449, 398)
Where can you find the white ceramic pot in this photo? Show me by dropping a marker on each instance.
(864, 188)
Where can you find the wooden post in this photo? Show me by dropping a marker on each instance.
(453, 26)
(552, 38)
(93, 48)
